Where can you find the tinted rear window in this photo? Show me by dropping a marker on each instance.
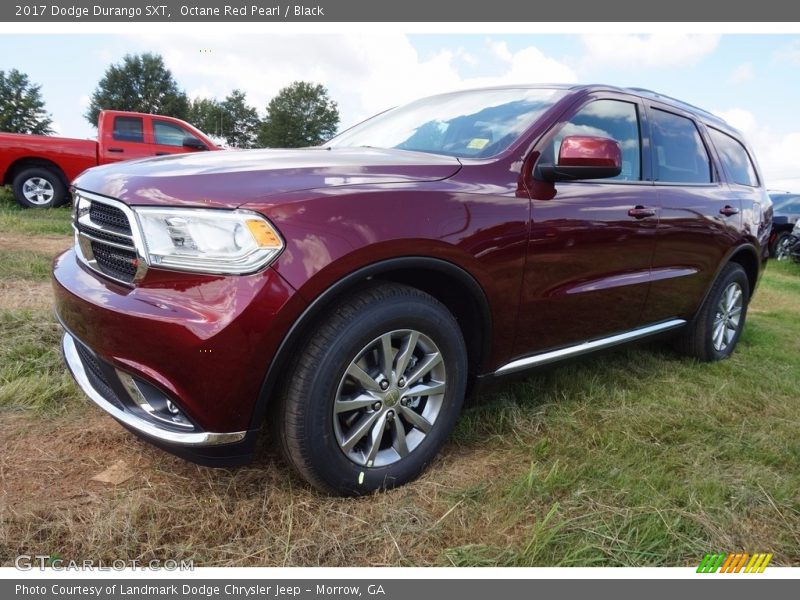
(735, 159)
(128, 129)
(786, 204)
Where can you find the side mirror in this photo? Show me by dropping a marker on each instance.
(192, 142)
(584, 157)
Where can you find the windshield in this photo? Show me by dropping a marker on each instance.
(786, 203)
(474, 124)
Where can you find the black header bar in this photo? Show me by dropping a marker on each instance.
(453, 11)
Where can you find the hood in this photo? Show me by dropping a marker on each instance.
(230, 179)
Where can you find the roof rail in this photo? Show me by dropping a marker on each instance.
(678, 102)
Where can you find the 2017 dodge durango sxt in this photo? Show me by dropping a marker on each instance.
(350, 295)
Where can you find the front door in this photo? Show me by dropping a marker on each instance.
(591, 242)
(168, 138)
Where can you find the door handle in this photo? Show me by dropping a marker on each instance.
(116, 150)
(728, 211)
(161, 153)
(640, 212)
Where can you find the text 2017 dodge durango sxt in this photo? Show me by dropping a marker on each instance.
(350, 295)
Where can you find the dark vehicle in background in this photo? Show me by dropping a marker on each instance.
(789, 247)
(786, 213)
(351, 295)
(40, 167)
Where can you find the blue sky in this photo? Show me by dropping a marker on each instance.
(752, 80)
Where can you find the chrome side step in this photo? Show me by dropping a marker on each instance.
(585, 347)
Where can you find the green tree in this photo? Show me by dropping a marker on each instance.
(300, 115)
(140, 83)
(204, 113)
(21, 105)
(240, 122)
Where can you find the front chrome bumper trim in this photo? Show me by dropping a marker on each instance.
(202, 438)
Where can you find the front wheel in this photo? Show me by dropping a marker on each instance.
(714, 332)
(375, 392)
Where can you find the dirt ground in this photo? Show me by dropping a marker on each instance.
(49, 244)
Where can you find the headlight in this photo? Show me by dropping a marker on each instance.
(208, 241)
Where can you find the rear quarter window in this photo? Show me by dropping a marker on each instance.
(734, 158)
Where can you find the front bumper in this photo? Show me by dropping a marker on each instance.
(124, 409)
(202, 343)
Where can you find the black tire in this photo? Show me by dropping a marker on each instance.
(783, 247)
(56, 187)
(698, 339)
(306, 425)
(774, 246)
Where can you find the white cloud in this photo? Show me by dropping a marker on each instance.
(364, 73)
(778, 153)
(500, 50)
(789, 53)
(744, 72)
(647, 51)
(741, 119)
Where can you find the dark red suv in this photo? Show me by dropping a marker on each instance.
(349, 296)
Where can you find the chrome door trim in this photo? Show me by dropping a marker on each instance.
(585, 347)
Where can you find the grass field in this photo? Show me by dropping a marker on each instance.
(638, 457)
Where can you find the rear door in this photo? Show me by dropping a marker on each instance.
(126, 139)
(591, 242)
(700, 216)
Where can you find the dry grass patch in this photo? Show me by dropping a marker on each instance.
(21, 294)
(50, 245)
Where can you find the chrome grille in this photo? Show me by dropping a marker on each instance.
(106, 237)
(116, 263)
(110, 218)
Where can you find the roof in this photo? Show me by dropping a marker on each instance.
(636, 91)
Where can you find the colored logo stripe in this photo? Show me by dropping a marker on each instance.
(734, 563)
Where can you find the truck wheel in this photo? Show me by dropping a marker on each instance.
(375, 391)
(714, 332)
(39, 187)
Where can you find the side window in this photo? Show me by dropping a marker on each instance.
(128, 129)
(680, 154)
(613, 119)
(167, 134)
(735, 158)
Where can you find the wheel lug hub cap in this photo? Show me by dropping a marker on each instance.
(392, 398)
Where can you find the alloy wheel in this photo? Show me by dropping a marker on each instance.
(728, 316)
(38, 190)
(782, 249)
(389, 398)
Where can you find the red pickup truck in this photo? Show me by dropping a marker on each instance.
(40, 167)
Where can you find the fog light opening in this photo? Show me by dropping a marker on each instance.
(152, 402)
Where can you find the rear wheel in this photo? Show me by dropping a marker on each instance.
(375, 392)
(782, 246)
(715, 331)
(39, 187)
